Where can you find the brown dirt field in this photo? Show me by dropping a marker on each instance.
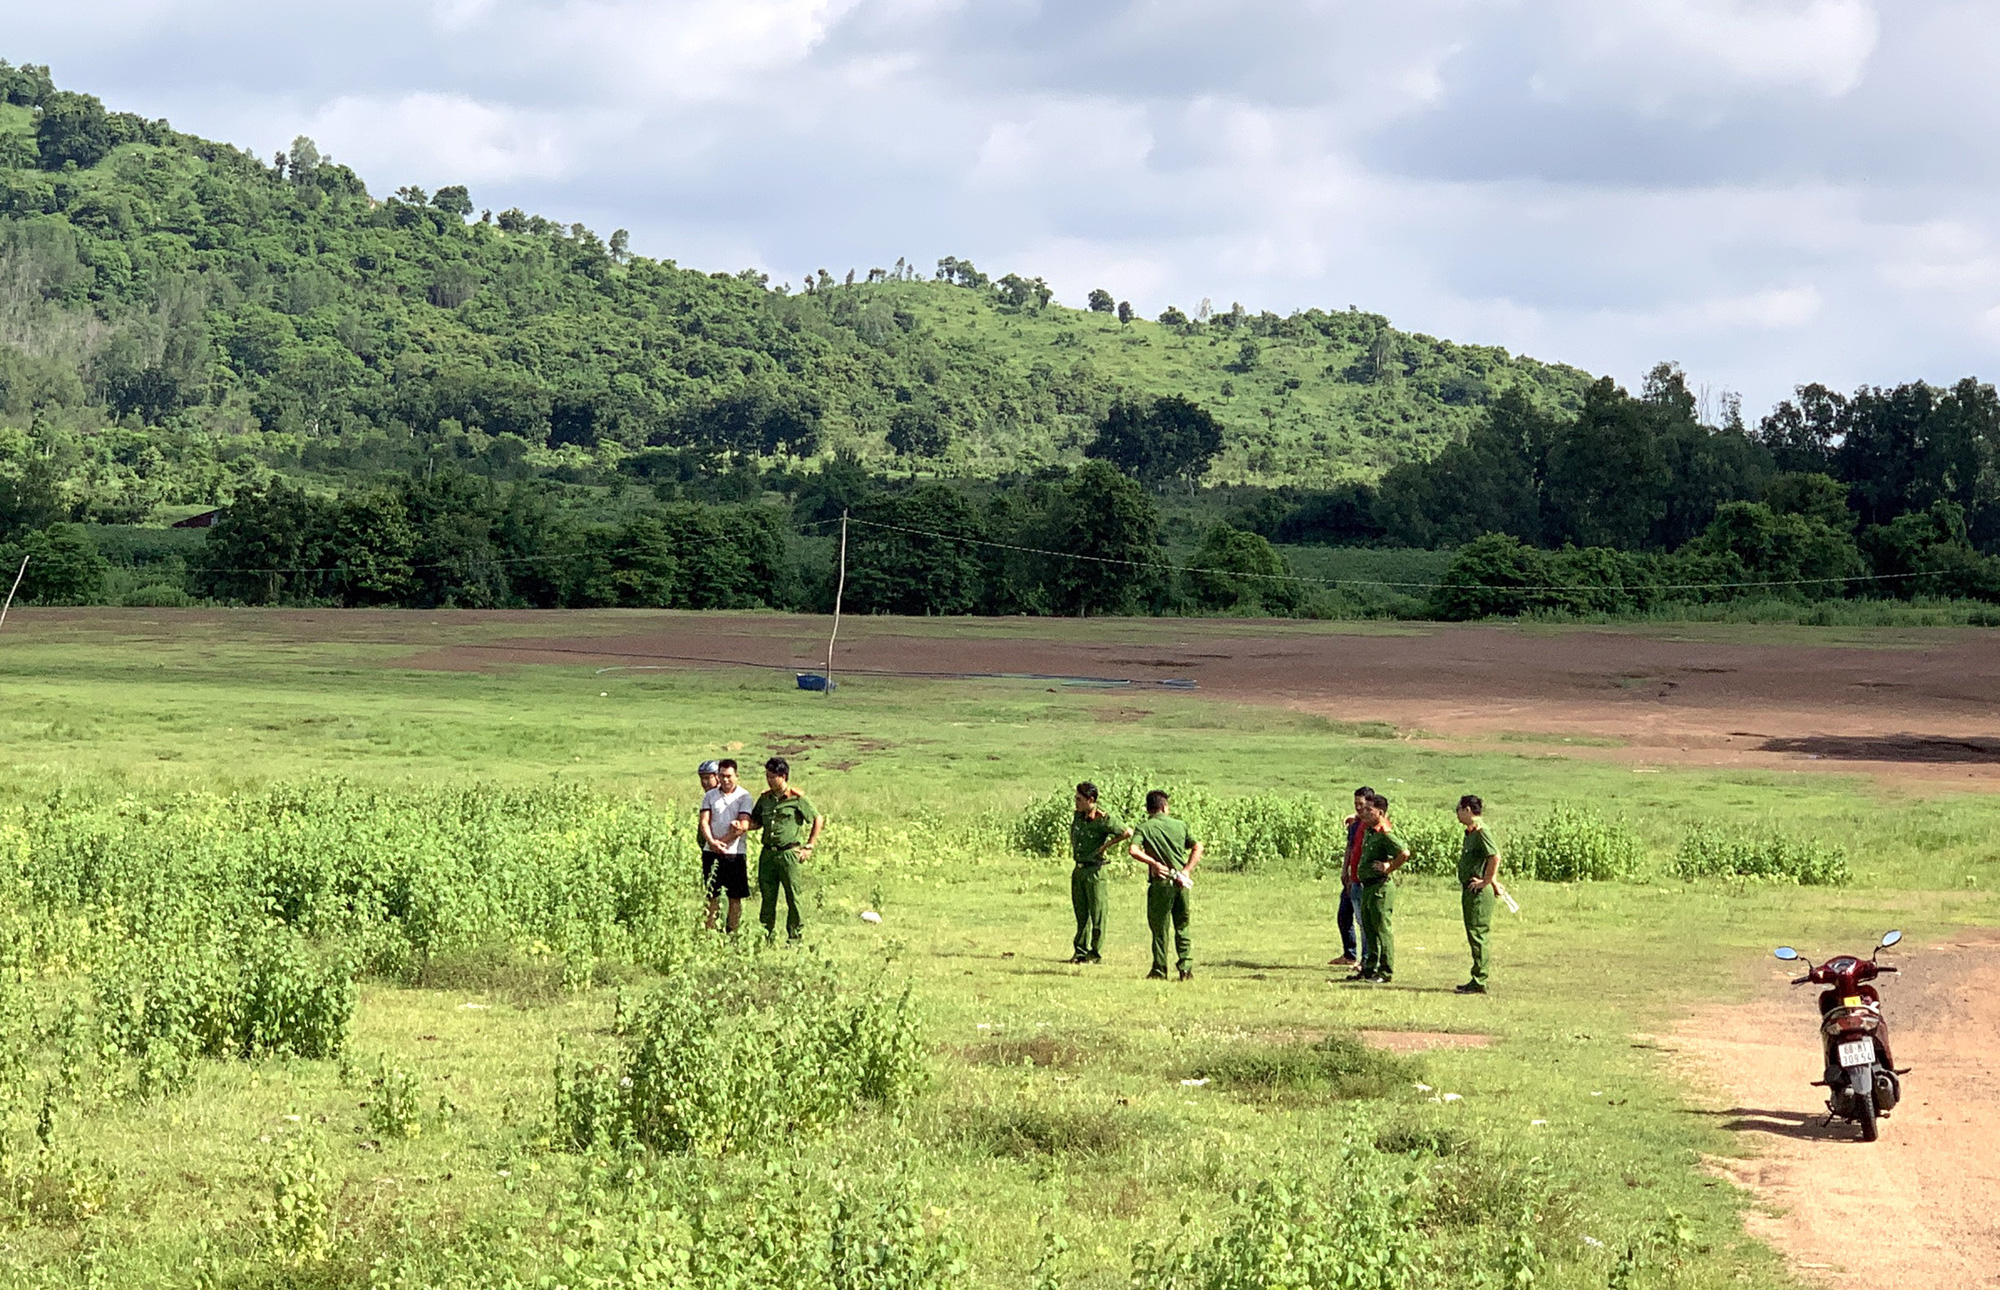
(1920, 1207)
(1907, 704)
(1916, 705)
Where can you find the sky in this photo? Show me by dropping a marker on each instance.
(1768, 192)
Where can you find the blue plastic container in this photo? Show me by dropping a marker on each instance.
(814, 681)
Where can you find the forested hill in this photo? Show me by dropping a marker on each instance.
(177, 313)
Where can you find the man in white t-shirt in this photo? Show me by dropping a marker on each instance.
(725, 819)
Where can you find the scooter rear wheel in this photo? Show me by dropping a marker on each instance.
(1861, 1087)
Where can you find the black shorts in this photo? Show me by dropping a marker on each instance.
(725, 875)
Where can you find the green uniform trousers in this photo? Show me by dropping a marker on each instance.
(1477, 907)
(1378, 936)
(1088, 890)
(1169, 903)
(779, 871)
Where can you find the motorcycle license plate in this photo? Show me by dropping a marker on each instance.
(1856, 1052)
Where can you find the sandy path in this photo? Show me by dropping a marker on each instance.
(1919, 1208)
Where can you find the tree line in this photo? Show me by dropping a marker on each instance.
(1090, 540)
(1647, 473)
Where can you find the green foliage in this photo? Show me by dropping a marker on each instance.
(793, 1224)
(1711, 851)
(1241, 573)
(63, 567)
(295, 1220)
(236, 317)
(1747, 541)
(1365, 1235)
(1045, 1129)
(224, 917)
(742, 1053)
(1170, 439)
(894, 568)
(1574, 844)
(1927, 553)
(216, 994)
(1811, 494)
(1494, 575)
(395, 1108)
(1434, 841)
(1237, 833)
(457, 541)
(1100, 515)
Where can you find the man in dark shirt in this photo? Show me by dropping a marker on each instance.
(1350, 886)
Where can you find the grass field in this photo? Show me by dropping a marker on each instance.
(1063, 1126)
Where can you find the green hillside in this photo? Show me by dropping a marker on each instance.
(179, 316)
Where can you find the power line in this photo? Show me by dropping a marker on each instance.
(1373, 582)
(1165, 565)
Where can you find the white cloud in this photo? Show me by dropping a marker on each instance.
(1654, 51)
(424, 135)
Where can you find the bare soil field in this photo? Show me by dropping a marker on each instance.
(1920, 1207)
(1911, 704)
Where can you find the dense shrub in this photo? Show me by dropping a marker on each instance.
(1573, 843)
(263, 991)
(788, 1225)
(1365, 1236)
(1709, 851)
(399, 877)
(1434, 840)
(728, 1056)
(1236, 833)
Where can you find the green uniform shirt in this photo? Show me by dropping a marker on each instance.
(1086, 835)
(1164, 838)
(786, 820)
(1472, 857)
(1378, 847)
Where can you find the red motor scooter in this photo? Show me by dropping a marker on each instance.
(1861, 1080)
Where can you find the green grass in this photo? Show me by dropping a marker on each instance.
(1057, 1111)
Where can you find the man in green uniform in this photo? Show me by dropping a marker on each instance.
(1478, 878)
(1382, 853)
(790, 826)
(1092, 833)
(1170, 853)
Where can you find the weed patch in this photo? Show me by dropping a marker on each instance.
(1576, 844)
(1711, 851)
(753, 1050)
(1337, 1066)
(1027, 1129)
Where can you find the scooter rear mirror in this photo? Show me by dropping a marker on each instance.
(1890, 938)
(1786, 952)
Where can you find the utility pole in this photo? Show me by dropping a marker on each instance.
(839, 590)
(19, 574)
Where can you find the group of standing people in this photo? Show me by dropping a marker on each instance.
(787, 827)
(1169, 852)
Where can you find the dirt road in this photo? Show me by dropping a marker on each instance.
(1921, 1207)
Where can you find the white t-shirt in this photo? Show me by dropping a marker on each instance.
(723, 808)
